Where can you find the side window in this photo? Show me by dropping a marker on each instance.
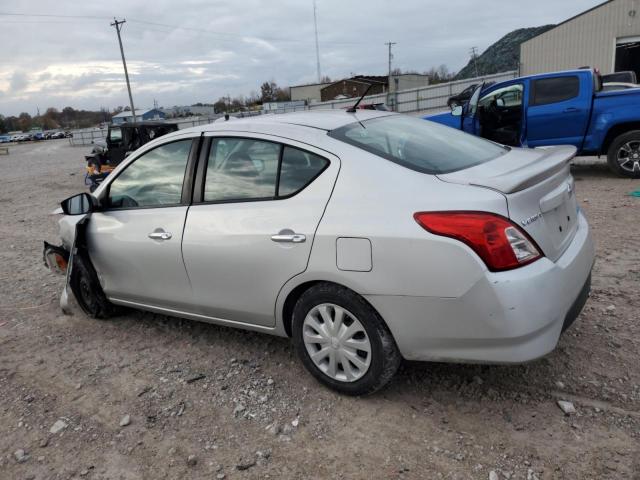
(115, 135)
(510, 96)
(241, 169)
(298, 169)
(152, 180)
(553, 90)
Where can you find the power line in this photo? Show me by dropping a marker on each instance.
(180, 27)
(93, 17)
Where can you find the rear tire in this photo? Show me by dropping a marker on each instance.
(87, 290)
(354, 371)
(623, 155)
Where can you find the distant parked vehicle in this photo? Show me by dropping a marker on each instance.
(37, 136)
(560, 108)
(5, 138)
(57, 135)
(464, 96)
(15, 138)
(120, 142)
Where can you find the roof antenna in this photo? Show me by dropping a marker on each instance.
(355, 106)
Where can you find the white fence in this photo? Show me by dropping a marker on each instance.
(427, 99)
(87, 136)
(421, 100)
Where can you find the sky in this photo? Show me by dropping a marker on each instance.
(188, 51)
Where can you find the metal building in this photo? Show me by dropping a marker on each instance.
(606, 37)
(141, 115)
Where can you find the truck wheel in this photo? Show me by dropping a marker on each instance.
(624, 155)
(342, 340)
(86, 288)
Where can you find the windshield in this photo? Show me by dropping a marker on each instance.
(418, 144)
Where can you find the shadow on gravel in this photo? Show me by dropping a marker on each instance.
(592, 171)
(440, 381)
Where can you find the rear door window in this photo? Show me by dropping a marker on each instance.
(244, 169)
(553, 90)
(241, 169)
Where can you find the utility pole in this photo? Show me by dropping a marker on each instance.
(315, 24)
(117, 24)
(474, 56)
(390, 44)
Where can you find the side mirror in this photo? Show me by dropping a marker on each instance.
(79, 204)
(456, 111)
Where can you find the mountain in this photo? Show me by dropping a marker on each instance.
(503, 55)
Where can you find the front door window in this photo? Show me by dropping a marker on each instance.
(500, 114)
(153, 179)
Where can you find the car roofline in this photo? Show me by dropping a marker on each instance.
(307, 119)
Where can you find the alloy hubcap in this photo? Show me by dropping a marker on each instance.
(629, 156)
(336, 342)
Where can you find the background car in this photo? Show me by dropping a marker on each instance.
(464, 96)
(366, 237)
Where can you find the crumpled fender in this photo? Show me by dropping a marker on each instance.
(78, 241)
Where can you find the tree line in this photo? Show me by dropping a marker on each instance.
(54, 119)
(270, 91)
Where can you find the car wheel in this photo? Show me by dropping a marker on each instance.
(624, 155)
(342, 340)
(87, 290)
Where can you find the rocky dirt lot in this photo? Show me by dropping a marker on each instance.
(149, 397)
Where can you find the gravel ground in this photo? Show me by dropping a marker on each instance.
(146, 396)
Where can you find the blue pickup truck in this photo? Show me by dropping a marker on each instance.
(561, 108)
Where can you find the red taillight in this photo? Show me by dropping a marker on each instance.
(496, 240)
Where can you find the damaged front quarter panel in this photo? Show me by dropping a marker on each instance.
(59, 259)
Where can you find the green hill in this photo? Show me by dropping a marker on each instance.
(503, 55)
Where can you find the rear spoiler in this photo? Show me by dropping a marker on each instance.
(515, 171)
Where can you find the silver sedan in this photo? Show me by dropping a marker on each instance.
(366, 237)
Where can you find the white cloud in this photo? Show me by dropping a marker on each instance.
(232, 47)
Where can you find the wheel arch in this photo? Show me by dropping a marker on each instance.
(292, 296)
(614, 132)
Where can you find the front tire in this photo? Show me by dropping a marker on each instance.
(86, 288)
(623, 156)
(342, 340)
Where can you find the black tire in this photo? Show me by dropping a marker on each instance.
(87, 290)
(385, 356)
(632, 137)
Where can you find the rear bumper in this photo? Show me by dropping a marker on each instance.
(505, 317)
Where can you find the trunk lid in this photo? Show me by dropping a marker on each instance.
(539, 189)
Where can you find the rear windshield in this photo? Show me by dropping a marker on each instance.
(418, 144)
